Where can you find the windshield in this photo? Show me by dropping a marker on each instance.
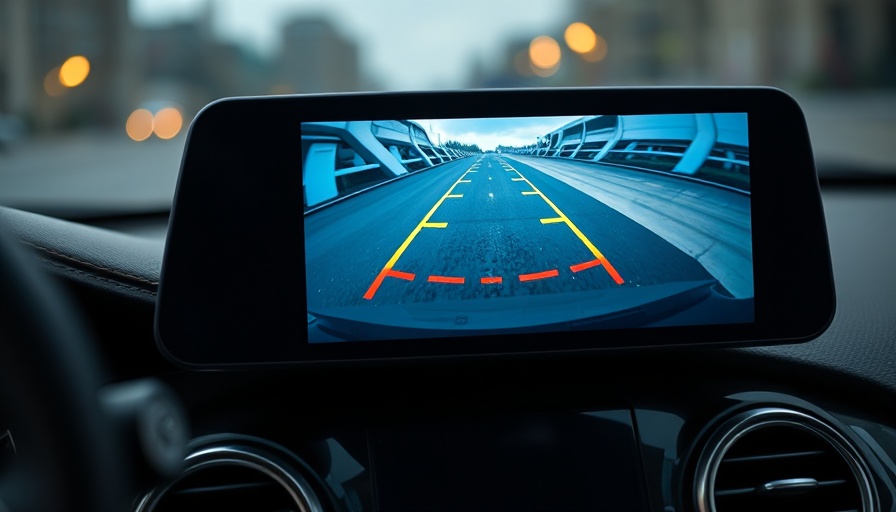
(96, 96)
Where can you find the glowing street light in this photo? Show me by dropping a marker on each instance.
(139, 124)
(52, 86)
(74, 71)
(599, 51)
(580, 37)
(544, 52)
(167, 123)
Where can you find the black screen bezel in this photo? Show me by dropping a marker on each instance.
(232, 287)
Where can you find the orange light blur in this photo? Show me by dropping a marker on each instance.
(139, 124)
(599, 51)
(52, 86)
(544, 52)
(580, 38)
(167, 123)
(522, 64)
(543, 73)
(74, 71)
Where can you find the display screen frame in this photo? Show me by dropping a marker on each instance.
(233, 280)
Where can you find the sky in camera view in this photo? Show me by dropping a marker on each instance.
(490, 133)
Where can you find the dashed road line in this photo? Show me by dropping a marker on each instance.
(407, 276)
(564, 219)
(446, 279)
(584, 266)
(539, 275)
(561, 218)
(387, 269)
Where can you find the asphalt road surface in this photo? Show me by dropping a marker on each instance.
(710, 223)
(478, 228)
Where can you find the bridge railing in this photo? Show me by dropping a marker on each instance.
(340, 158)
(712, 147)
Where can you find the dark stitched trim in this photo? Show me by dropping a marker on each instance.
(113, 271)
(113, 283)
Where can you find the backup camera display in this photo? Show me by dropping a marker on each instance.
(419, 229)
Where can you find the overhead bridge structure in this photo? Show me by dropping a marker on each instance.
(343, 157)
(713, 147)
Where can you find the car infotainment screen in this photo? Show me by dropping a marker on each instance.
(433, 228)
(373, 227)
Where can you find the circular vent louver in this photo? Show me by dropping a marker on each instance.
(234, 478)
(776, 459)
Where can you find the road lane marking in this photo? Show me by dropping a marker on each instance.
(582, 266)
(517, 179)
(591, 247)
(491, 280)
(539, 275)
(464, 181)
(553, 220)
(455, 196)
(387, 268)
(446, 279)
(407, 276)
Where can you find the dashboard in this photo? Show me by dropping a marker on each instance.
(808, 426)
(440, 436)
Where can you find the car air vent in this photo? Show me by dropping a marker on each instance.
(234, 478)
(775, 459)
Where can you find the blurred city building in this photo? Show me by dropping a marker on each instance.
(36, 39)
(185, 64)
(182, 64)
(795, 44)
(315, 57)
(802, 44)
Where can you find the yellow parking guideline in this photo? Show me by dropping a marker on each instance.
(423, 223)
(553, 220)
(564, 219)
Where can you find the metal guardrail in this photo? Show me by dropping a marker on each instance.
(713, 147)
(343, 157)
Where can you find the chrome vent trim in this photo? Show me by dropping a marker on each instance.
(245, 457)
(827, 441)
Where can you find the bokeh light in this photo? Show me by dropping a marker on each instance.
(167, 123)
(74, 71)
(522, 64)
(544, 52)
(580, 38)
(543, 73)
(599, 51)
(139, 125)
(52, 85)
